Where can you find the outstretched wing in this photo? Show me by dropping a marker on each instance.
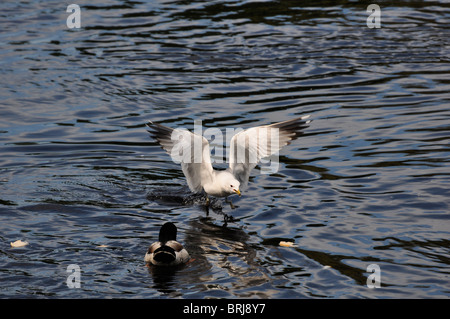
(189, 149)
(249, 146)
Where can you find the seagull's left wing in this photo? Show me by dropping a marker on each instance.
(249, 146)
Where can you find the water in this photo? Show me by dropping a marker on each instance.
(82, 182)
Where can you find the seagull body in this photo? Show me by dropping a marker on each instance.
(167, 251)
(247, 148)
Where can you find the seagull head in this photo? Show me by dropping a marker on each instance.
(225, 184)
(234, 187)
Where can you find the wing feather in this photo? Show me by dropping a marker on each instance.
(248, 147)
(189, 149)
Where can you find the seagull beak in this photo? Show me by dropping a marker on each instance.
(237, 191)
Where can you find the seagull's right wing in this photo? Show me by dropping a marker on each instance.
(189, 149)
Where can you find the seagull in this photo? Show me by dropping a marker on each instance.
(247, 148)
(167, 251)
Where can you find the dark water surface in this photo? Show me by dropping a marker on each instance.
(81, 181)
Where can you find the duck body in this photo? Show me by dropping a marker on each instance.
(170, 253)
(167, 251)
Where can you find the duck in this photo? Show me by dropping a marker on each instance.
(167, 251)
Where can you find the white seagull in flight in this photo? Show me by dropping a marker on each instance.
(247, 148)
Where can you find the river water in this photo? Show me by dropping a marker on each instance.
(368, 183)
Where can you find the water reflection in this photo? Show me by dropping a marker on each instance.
(233, 262)
(164, 279)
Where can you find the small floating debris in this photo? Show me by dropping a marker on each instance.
(19, 243)
(326, 267)
(102, 246)
(287, 244)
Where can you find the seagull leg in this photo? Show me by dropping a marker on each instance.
(207, 202)
(229, 202)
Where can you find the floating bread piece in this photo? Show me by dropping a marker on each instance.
(286, 243)
(19, 243)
